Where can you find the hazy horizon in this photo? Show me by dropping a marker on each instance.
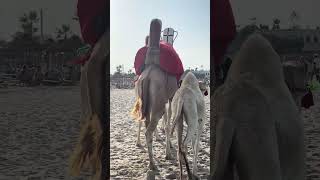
(265, 11)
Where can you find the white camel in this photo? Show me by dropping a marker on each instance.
(258, 131)
(188, 104)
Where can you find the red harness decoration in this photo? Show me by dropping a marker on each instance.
(87, 12)
(223, 28)
(169, 60)
(82, 59)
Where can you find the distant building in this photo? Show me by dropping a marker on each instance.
(202, 75)
(286, 41)
(311, 38)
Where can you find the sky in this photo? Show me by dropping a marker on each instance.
(130, 20)
(130, 24)
(266, 10)
(55, 13)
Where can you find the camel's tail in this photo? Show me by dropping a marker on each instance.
(136, 112)
(140, 109)
(144, 99)
(88, 151)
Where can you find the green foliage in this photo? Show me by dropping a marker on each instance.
(63, 32)
(83, 50)
(314, 85)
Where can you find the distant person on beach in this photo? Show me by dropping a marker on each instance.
(143, 65)
(316, 62)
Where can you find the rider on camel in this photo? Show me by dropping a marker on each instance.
(169, 59)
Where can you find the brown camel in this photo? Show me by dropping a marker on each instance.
(91, 150)
(155, 88)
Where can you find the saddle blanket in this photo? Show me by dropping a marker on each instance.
(169, 60)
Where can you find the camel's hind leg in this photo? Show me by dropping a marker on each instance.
(195, 147)
(151, 126)
(168, 127)
(179, 129)
(138, 134)
(164, 120)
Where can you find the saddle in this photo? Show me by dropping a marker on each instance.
(159, 53)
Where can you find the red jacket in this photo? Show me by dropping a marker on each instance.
(223, 28)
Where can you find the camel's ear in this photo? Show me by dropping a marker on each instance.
(206, 93)
(179, 83)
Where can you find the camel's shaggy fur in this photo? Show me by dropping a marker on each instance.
(87, 153)
(136, 111)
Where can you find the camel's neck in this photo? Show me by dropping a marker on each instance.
(153, 56)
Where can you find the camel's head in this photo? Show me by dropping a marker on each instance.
(203, 88)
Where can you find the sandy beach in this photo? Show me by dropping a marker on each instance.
(131, 162)
(39, 127)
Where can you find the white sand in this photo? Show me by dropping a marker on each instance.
(129, 161)
(38, 128)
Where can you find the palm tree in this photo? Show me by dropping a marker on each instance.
(64, 31)
(119, 69)
(293, 19)
(276, 24)
(28, 21)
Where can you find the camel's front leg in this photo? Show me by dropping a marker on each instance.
(138, 134)
(168, 127)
